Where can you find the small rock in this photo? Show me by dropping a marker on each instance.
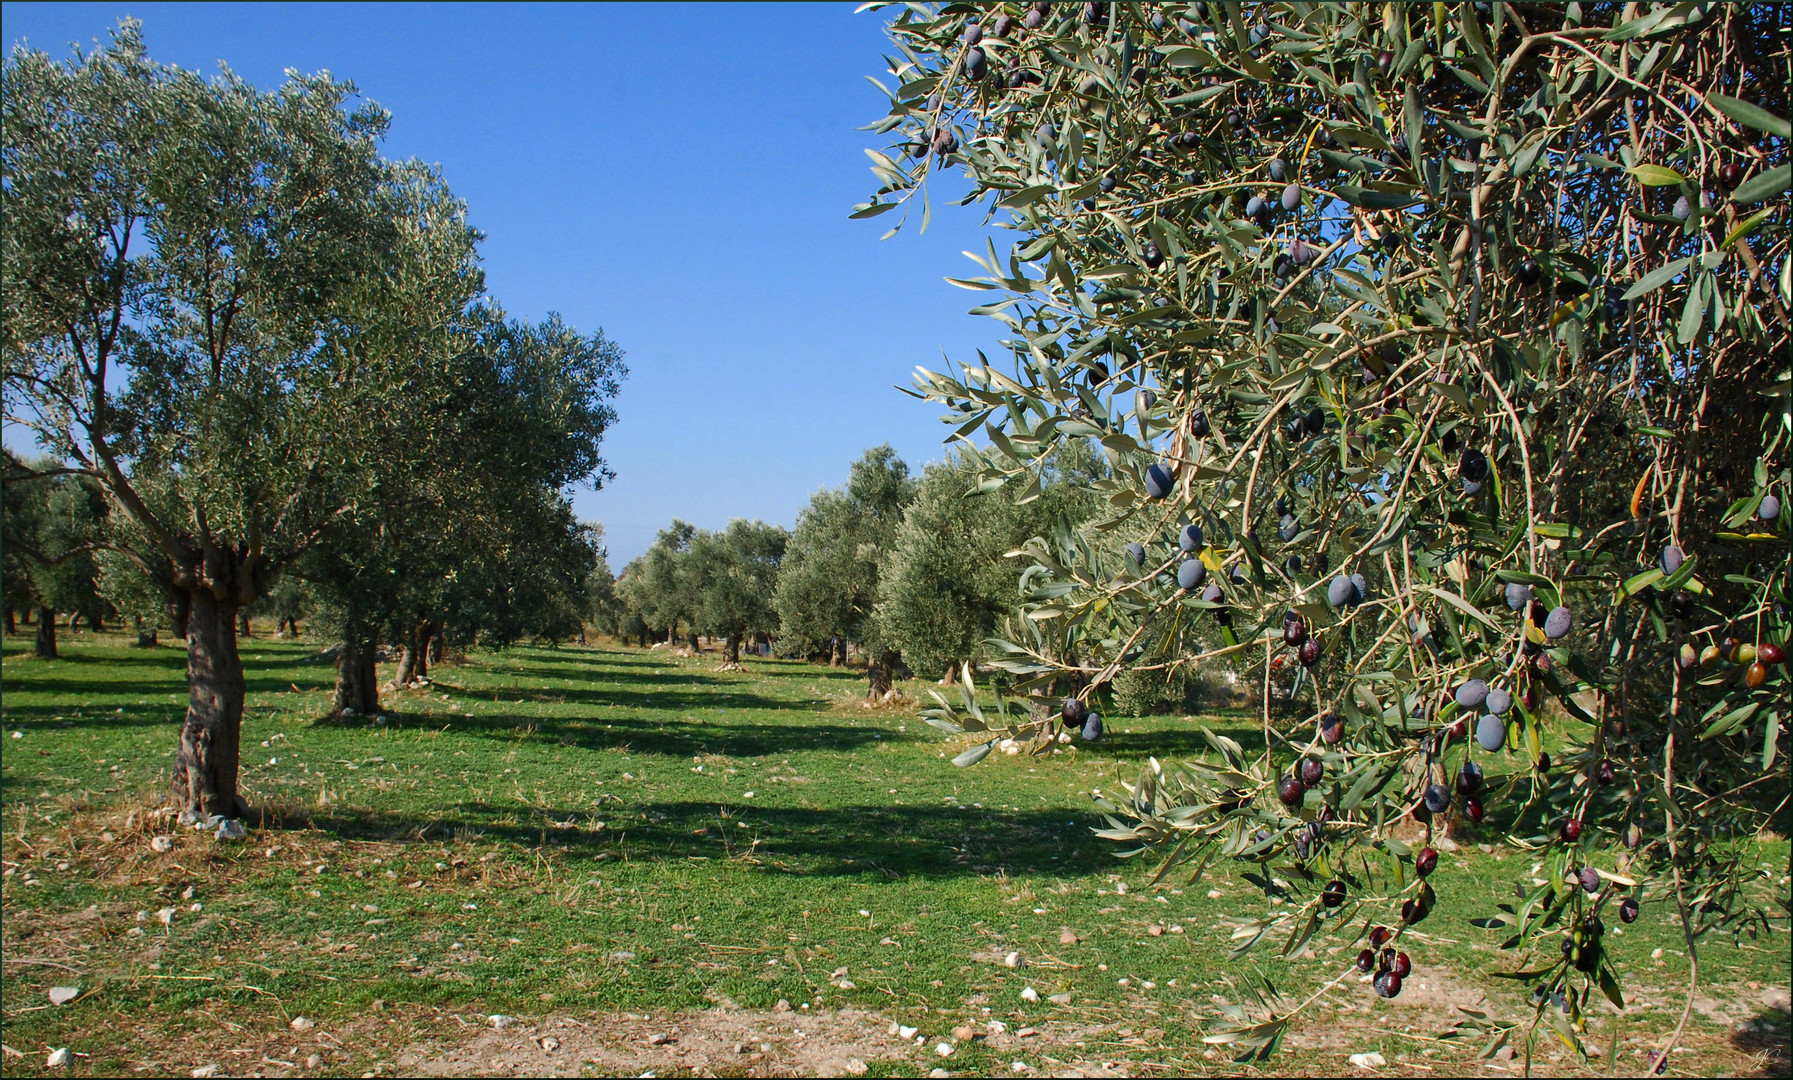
(783, 1006)
(500, 1021)
(59, 1057)
(162, 845)
(302, 1023)
(166, 916)
(1371, 1060)
(1069, 937)
(939, 1073)
(62, 995)
(314, 1062)
(944, 1049)
(204, 1071)
(1778, 997)
(964, 1033)
(550, 1044)
(846, 984)
(886, 941)
(743, 1048)
(905, 1032)
(1012, 960)
(854, 1067)
(1155, 930)
(1030, 994)
(839, 973)
(1060, 999)
(659, 1038)
(1505, 1053)
(231, 829)
(622, 955)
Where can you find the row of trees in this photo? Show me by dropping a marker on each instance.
(913, 571)
(255, 352)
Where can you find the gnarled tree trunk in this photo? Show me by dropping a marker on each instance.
(880, 672)
(243, 627)
(12, 625)
(433, 653)
(732, 649)
(837, 654)
(46, 632)
(357, 685)
(205, 765)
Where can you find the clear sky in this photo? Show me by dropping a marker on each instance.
(677, 175)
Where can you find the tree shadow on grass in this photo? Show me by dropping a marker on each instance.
(638, 734)
(882, 842)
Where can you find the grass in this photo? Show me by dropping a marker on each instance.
(585, 831)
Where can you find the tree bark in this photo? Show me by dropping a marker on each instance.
(96, 622)
(179, 605)
(205, 765)
(407, 666)
(837, 654)
(880, 671)
(46, 632)
(426, 634)
(691, 639)
(434, 653)
(243, 627)
(357, 685)
(732, 649)
(12, 625)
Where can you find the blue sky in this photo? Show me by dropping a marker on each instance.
(679, 176)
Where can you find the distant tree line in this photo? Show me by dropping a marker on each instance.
(910, 572)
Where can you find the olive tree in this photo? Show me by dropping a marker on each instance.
(828, 584)
(1459, 333)
(218, 304)
(735, 572)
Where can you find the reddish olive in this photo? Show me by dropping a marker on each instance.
(1310, 653)
(1628, 909)
(1403, 967)
(1572, 830)
(1473, 808)
(1379, 936)
(1294, 632)
(1312, 771)
(1755, 675)
(1606, 772)
(1334, 894)
(1459, 728)
(1332, 728)
(1388, 985)
(1730, 175)
(1291, 791)
(1770, 653)
(1425, 862)
(1366, 960)
(1412, 911)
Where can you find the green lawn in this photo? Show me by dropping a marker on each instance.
(593, 832)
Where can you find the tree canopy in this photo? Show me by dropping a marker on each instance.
(1484, 303)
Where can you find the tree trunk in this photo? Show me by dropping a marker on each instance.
(146, 639)
(205, 765)
(434, 653)
(880, 670)
(243, 627)
(672, 635)
(46, 632)
(732, 649)
(407, 666)
(837, 655)
(96, 623)
(12, 625)
(426, 634)
(180, 604)
(357, 685)
(691, 639)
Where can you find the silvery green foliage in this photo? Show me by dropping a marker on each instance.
(1479, 350)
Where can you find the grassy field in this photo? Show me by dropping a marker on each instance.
(652, 864)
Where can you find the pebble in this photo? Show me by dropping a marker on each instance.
(204, 1071)
(500, 1021)
(1060, 999)
(314, 1062)
(59, 1057)
(622, 955)
(964, 1033)
(906, 1032)
(944, 1049)
(939, 1072)
(659, 1038)
(62, 995)
(166, 916)
(161, 844)
(1069, 937)
(1030, 994)
(1012, 960)
(302, 1023)
(1371, 1060)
